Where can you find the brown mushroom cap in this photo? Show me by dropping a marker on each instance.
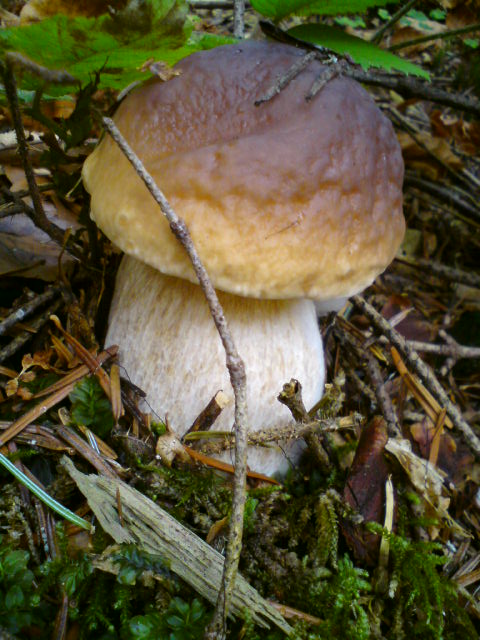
(286, 199)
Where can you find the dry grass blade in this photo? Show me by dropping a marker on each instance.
(37, 411)
(224, 466)
(90, 360)
(86, 451)
(422, 395)
(78, 373)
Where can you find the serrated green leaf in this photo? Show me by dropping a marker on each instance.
(278, 9)
(362, 52)
(83, 46)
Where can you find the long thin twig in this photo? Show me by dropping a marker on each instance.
(421, 369)
(239, 18)
(383, 398)
(443, 35)
(37, 214)
(451, 274)
(448, 194)
(237, 374)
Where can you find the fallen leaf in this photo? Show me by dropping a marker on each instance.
(365, 489)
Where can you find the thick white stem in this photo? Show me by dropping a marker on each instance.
(170, 348)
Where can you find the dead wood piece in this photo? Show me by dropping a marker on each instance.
(207, 417)
(291, 397)
(158, 533)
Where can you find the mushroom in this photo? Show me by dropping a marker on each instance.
(288, 202)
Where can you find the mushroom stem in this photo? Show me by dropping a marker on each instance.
(170, 348)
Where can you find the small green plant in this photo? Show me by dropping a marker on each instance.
(133, 562)
(342, 602)
(19, 602)
(90, 406)
(181, 621)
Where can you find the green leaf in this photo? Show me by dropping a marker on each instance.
(15, 562)
(278, 9)
(14, 597)
(90, 406)
(362, 52)
(83, 46)
(145, 627)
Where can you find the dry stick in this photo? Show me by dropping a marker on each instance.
(238, 18)
(424, 373)
(379, 396)
(38, 214)
(449, 273)
(405, 85)
(452, 349)
(213, 4)
(34, 326)
(445, 194)
(28, 308)
(236, 371)
(289, 75)
(378, 35)
(383, 398)
(443, 35)
(408, 87)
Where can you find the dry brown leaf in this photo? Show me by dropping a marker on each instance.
(465, 135)
(36, 10)
(365, 489)
(412, 325)
(428, 481)
(439, 147)
(419, 392)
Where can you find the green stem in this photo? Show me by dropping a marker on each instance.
(43, 495)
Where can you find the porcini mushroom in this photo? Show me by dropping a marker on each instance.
(287, 202)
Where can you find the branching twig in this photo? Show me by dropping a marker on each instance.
(291, 397)
(424, 373)
(291, 73)
(406, 86)
(275, 435)
(236, 370)
(451, 349)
